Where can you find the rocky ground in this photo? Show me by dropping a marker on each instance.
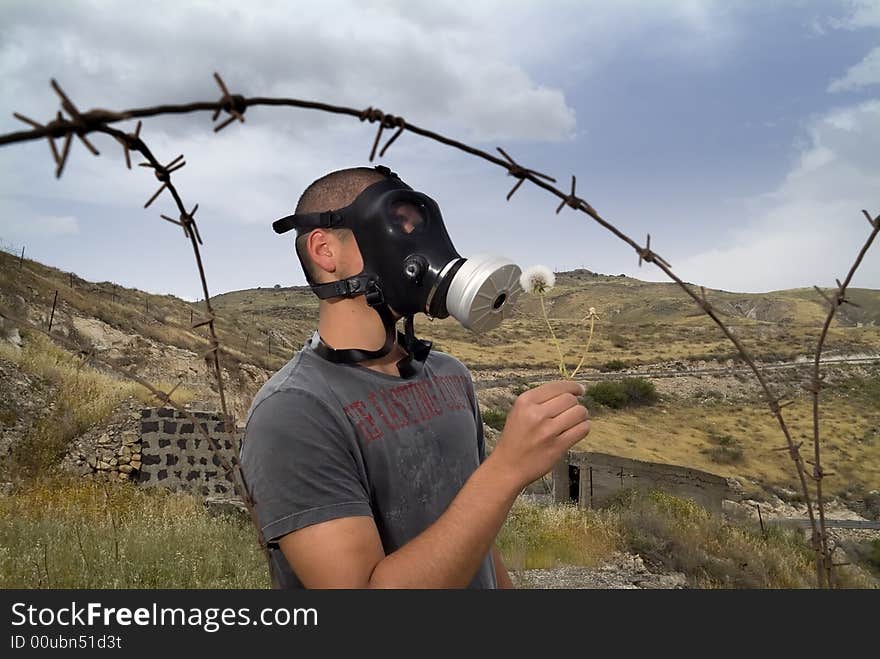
(112, 449)
(623, 571)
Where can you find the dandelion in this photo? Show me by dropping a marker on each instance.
(592, 316)
(537, 280)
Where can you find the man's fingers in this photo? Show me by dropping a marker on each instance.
(573, 435)
(568, 419)
(552, 389)
(558, 405)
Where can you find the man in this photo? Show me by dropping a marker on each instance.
(365, 454)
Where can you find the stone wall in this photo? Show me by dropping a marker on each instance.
(175, 454)
(590, 479)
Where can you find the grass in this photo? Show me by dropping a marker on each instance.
(76, 534)
(726, 451)
(71, 533)
(679, 431)
(494, 418)
(536, 537)
(667, 531)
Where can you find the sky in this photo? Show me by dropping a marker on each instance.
(743, 136)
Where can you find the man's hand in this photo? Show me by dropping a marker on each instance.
(541, 426)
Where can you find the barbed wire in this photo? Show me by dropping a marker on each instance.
(80, 124)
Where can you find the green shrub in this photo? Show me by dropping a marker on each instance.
(494, 418)
(610, 394)
(640, 391)
(613, 365)
(629, 392)
(727, 450)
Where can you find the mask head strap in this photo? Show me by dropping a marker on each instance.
(305, 222)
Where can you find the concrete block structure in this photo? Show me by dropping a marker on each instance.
(590, 479)
(175, 454)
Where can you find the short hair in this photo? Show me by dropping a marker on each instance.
(331, 192)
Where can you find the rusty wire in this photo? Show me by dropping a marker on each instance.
(816, 382)
(79, 124)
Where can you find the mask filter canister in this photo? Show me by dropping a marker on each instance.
(483, 292)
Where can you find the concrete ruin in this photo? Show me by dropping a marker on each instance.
(590, 479)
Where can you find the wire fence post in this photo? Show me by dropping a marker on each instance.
(52, 316)
(21, 258)
(591, 487)
(761, 521)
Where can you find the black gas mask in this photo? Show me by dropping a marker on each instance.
(410, 267)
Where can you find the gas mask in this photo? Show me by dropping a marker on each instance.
(410, 267)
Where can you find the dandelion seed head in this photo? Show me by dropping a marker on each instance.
(537, 279)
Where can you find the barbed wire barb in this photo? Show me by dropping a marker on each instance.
(572, 199)
(234, 105)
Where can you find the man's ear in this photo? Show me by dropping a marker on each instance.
(323, 249)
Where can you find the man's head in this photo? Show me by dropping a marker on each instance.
(329, 254)
(372, 237)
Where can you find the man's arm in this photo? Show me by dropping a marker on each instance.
(347, 552)
(502, 577)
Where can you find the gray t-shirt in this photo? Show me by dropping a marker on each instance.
(327, 440)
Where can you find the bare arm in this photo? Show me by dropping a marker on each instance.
(501, 574)
(347, 552)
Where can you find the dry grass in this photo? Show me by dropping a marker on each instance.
(678, 432)
(537, 537)
(671, 533)
(77, 534)
(681, 536)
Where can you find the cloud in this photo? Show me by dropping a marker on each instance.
(428, 65)
(861, 14)
(810, 228)
(21, 227)
(863, 74)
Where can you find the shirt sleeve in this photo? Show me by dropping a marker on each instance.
(300, 465)
(478, 419)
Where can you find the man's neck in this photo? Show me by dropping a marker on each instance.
(351, 323)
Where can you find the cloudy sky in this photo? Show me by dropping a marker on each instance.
(744, 136)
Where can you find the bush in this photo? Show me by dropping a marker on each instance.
(610, 394)
(629, 392)
(640, 391)
(619, 341)
(613, 365)
(494, 418)
(727, 450)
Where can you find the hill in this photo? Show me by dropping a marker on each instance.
(645, 328)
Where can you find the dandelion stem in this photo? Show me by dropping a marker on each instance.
(562, 368)
(587, 349)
